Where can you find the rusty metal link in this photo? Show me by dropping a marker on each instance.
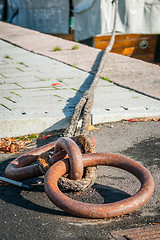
(20, 168)
(99, 210)
(46, 159)
(26, 166)
(75, 156)
(43, 161)
(87, 144)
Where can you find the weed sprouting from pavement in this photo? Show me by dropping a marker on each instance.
(44, 79)
(58, 96)
(3, 75)
(8, 57)
(57, 48)
(106, 79)
(75, 47)
(77, 90)
(30, 137)
(60, 80)
(22, 63)
(16, 94)
(19, 69)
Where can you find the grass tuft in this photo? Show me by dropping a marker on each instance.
(75, 47)
(8, 57)
(57, 49)
(106, 79)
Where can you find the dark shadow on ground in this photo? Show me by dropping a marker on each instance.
(72, 102)
(148, 150)
(14, 195)
(110, 194)
(97, 194)
(97, 62)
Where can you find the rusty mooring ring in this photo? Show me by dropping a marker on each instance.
(75, 156)
(100, 210)
(20, 168)
(87, 144)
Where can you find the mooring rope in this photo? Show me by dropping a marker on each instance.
(84, 106)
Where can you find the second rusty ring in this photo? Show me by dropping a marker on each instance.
(100, 210)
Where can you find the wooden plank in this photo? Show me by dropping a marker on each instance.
(149, 57)
(126, 44)
(124, 51)
(125, 36)
(131, 51)
(136, 50)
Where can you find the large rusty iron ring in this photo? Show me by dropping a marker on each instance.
(26, 166)
(100, 210)
(20, 168)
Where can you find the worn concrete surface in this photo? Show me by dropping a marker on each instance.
(30, 104)
(134, 74)
(31, 215)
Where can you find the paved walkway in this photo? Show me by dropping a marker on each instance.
(135, 74)
(39, 93)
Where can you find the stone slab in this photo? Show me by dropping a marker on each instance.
(134, 74)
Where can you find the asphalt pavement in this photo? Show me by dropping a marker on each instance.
(30, 214)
